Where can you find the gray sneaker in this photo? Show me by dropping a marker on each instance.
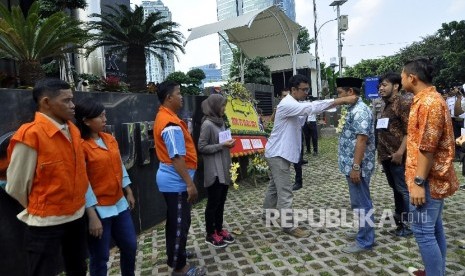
(354, 248)
(351, 233)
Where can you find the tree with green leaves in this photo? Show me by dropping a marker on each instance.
(30, 39)
(304, 41)
(255, 70)
(189, 82)
(135, 36)
(196, 76)
(329, 75)
(445, 48)
(49, 7)
(453, 71)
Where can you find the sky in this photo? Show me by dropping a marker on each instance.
(377, 28)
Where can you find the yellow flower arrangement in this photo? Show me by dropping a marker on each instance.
(257, 167)
(342, 119)
(234, 174)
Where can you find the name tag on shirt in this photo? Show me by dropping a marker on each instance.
(382, 123)
(224, 136)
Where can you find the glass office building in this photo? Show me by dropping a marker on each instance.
(155, 72)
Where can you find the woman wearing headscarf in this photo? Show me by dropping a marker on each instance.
(107, 208)
(217, 161)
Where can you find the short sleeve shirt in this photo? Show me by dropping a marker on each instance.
(168, 179)
(430, 129)
(359, 120)
(396, 111)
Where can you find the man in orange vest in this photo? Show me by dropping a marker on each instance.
(47, 176)
(175, 149)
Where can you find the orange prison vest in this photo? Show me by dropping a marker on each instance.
(104, 169)
(60, 180)
(165, 117)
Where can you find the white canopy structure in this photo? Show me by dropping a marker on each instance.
(264, 33)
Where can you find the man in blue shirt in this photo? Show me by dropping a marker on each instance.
(357, 162)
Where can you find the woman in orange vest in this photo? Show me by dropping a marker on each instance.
(107, 208)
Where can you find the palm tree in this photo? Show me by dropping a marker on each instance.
(30, 39)
(129, 33)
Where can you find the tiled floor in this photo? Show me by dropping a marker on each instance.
(261, 250)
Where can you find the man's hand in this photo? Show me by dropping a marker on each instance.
(417, 195)
(396, 158)
(349, 99)
(229, 143)
(459, 141)
(131, 200)
(191, 193)
(355, 176)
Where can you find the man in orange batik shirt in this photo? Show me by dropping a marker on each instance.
(429, 171)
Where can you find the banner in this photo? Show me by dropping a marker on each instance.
(242, 116)
(371, 87)
(246, 145)
(245, 128)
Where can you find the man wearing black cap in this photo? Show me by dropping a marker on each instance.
(357, 162)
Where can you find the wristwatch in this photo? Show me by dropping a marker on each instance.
(419, 181)
(356, 167)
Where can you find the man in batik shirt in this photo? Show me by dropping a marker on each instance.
(357, 162)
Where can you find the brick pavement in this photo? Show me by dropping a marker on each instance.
(262, 250)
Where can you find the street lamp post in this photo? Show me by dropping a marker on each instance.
(338, 3)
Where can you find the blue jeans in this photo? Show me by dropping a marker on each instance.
(360, 201)
(429, 233)
(395, 175)
(121, 229)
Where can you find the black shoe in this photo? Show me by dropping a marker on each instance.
(303, 162)
(190, 254)
(296, 187)
(315, 153)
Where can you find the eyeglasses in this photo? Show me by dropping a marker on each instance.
(305, 90)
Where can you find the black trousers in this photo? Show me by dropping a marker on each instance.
(298, 168)
(178, 222)
(214, 211)
(45, 243)
(457, 125)
(310, 132)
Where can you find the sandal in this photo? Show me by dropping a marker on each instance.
(192, 271)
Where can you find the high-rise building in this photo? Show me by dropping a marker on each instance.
(232, 8)
(155, 71)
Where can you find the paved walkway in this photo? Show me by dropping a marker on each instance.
(262, 250)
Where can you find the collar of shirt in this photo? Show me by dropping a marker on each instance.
(62, 127)
(423, 92)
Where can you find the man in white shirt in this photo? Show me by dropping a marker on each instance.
(284, 145)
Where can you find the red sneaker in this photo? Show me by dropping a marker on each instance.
(215, 240)
(227, 238)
